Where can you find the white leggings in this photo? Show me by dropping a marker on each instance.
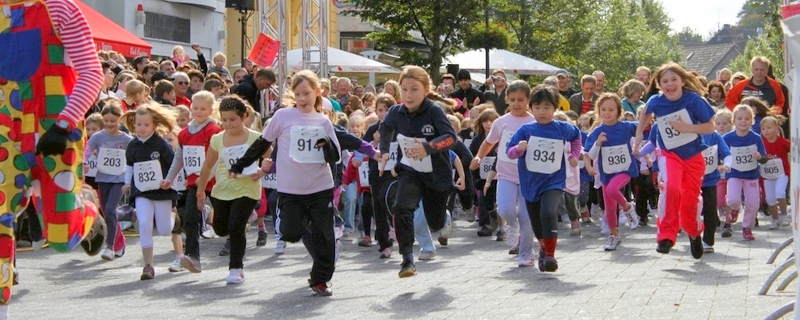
(146, 211)
(775, 189)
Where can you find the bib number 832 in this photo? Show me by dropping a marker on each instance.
(147, 176)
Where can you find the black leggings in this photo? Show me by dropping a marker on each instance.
(544, 214)
(366, 213)
(301, 214)
(410, 190)
(230, 218)
(710, 217)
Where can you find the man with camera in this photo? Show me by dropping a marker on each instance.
(498, 95)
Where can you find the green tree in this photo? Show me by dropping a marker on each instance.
(441, 25)
(770, 44)
(755, 13)
(689, 35)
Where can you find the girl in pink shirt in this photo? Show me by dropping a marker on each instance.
(306, 139)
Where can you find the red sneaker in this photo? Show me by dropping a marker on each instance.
(747, 234)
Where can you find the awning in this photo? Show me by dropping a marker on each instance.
(108, 35)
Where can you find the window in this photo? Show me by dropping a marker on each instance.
(160, 26)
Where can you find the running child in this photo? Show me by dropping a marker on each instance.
(542, 168)
(776, 171)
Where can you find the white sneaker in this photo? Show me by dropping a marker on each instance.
(512, 234)
(596, 212)
(209, 233)
(448, 226)
(175, 266)
(612, 243)
(236, 276)
(785, 220)
(108, 254)
(565, 218)
(37, 245)
(280, 247)
(622, 220)
(707, 248)
(427, 255)
(604, 227)
(633, 218)
(526, 260)
(775, 224)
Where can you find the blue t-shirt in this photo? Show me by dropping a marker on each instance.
(585, 176)
(545, 154)
(741, 150)
(616, 151)
(757, 125)
(699, 111)
(713, 140)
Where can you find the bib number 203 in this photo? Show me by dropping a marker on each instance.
(112, 162)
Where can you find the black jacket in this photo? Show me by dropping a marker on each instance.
(430, 124)
(248, 90)
(470, 94)
(154, 148)
(499, 100)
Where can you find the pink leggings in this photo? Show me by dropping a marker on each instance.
(752, 199)
(613, 198)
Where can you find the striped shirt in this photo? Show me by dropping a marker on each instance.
(76, 37)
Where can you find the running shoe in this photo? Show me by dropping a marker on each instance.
(108, 254)
(470, 214)
(148, 273)
(747, 234)
(280, 247)
(175, 266)
(407, 269)
(776, 223)
(632, 217)
(386, 253)
(707, 248)
(501, 235)
(262, 239)
(514, 250)
(550, 265)
(726, 230)
(424, 255)
(612, 243)
(664, 246)
(236, 276)
(526, 260)
(576, 228)
(226, 249)
(485, 232)
(366, 241)
(321, 289)
(119, 253)
(191, 264)
(604, 230)
(696, 246)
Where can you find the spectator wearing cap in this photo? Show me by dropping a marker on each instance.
(565, 84)
(583, 102)
(181, 82)
(158, 76)
(468, 95)
(250, 87)
(498, 95)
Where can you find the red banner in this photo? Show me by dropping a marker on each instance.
(264, 51)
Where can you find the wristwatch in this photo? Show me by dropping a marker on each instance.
(63, 124)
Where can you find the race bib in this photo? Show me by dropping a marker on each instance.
(486, 167)
(232, 154)
(544, 155)
(180, 182)
(269, 181)
(615, 158)
(423, 165)
(111, 161)
(672, 138)
(505, 137)
(392, 157)
(773, 169)
(363, 174)
(92, 165)
(193, 158)
(147, 175)
(710, 156)
(304, 147)
(743, 159)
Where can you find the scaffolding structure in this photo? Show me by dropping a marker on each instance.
(313, 39)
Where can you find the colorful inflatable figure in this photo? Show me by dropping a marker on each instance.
(42, 100)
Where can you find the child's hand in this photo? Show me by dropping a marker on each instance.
(757, 156)
(723, 168)
(602, 138)
(377, 156)
(356, 163)
(486, 187)
(166, 184)
(394, 173)
(573, 162)
(256, 176)
(266, 165)
(475, 164)
(591, 171)
(384, 159)
(522, 146)
(460, 184)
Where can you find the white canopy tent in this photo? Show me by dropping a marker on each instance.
(339, 61)
(475, 61)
